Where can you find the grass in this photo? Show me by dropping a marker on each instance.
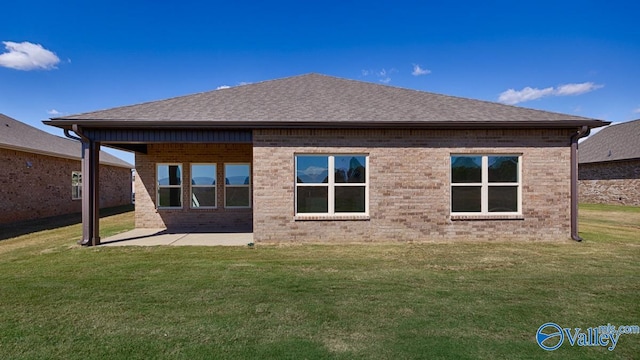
(377, 301)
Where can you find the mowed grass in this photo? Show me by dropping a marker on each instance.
(376, 301)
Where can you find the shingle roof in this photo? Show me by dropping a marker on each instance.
(320, 100)
(615, 142)
(20, 136)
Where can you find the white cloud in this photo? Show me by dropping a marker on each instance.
(576, 89)
(27, 56)
(513, 97)
(222, 87)
(636, 111)
(53, 112)
(383, 75)
(417, 70)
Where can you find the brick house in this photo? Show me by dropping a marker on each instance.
(41, 174)
(318, 158)
(609, 165)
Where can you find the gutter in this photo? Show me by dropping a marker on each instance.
(582, 132)
(307, 124)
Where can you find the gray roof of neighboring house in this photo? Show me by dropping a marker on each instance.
(615, 142)
(315, 100)
(20, 136)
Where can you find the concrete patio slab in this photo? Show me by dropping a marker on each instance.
(156, 237)
(215, 239)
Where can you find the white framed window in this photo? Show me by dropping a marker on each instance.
(332, 184)
(76, 185)
(169, 184)
(203, 186)
(486, 184)
(237, 185)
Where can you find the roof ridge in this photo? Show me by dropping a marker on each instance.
(622, 123)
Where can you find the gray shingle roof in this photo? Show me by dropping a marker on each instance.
(319, 100)
(615, 142)
(20, 136)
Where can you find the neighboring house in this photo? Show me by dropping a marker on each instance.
(41, 174)
(318, 158)
(609, 165)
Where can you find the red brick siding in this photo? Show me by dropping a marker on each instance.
(44, 189)
(615, 182)
(219, 219)
(115, 186)
(409, 184)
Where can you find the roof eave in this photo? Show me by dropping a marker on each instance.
(104, 123)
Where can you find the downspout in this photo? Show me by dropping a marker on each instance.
(582, 132)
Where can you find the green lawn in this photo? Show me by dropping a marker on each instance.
(379, 301)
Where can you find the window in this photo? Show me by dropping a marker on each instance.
(486, 184)
(237, 185)
(203, 186)
(76, 185)
(169, 186)
(331, 184)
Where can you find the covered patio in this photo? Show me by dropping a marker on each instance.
(156, 145)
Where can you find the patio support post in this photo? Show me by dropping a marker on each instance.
(90, 193)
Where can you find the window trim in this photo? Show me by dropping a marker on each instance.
(191, 186)
(79, 186)
(484, 189)
(158, 186)
(248, 186)
(331, 214)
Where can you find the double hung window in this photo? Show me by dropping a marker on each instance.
(486, 184)
(169, 185)
(203, 186)
(76, 185)
(331, 184)
(237, 185)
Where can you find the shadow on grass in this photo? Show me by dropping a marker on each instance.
(12, 230)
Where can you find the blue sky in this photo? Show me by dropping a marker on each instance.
(64, 57)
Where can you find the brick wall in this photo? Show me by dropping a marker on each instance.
(44, 189)
(115, 186)
(615, 182)
(219, 219)
(409, 184)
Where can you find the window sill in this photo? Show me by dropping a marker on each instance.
(321, 217)
(471, 217)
